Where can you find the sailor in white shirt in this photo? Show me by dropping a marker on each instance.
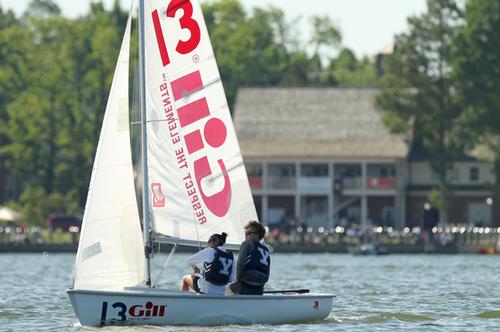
(217, 268)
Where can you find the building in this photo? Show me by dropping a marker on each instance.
(323, 156)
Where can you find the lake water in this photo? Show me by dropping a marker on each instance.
(383, 293)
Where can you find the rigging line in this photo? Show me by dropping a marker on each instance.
(157, 254)
(164, 267)
(159, 120)
(197, 232)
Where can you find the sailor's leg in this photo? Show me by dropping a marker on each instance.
(186, 283)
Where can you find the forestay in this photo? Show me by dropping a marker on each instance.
(110, 253)
(197, 181)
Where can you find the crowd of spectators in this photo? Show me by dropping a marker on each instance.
(296, 232)
(12, 234)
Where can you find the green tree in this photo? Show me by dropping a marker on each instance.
(347, 70)
(43, 9)
(418, 97)
(325, 34)
(477, 73)
(250, 50)
(53, 119)
(14, 47)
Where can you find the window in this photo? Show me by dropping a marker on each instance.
(381, 176)
(254, 169)
(281, 176)
(349, 175)
(254, 172)
(314, 170)
(474, 174)
(282, 170)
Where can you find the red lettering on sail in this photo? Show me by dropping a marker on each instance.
(217, 203)
(194, 142)
(160, 39)
(193, 112)
(186, 85)
(207, 136)
(187, 22)
(215, 132)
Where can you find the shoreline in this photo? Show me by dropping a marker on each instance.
(288, 248)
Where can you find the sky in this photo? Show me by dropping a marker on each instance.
(366, 25)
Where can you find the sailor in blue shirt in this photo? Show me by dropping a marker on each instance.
(217, 268)
(254, 262)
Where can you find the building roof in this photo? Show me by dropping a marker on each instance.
(313, 122)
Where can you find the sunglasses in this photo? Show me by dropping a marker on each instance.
(248, 233)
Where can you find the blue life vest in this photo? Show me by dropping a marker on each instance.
(219, 270)
(259, 259)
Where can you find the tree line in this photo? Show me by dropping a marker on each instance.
(441, 88)
(438, 87)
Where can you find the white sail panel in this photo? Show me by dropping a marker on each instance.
(110, 253)
(197, 180)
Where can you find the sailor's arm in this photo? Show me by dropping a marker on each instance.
(199, 257)
(245, 249)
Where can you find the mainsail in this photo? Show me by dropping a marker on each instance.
(197, 181)
(110, 253)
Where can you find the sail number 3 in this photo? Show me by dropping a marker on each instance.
(186, 22)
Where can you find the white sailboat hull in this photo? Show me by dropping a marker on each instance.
(162, 307)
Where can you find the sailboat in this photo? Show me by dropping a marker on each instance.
(194, 184)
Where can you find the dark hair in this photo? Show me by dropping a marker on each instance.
(257, 226)
(219, 237)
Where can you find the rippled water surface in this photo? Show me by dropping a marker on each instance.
(383, 293)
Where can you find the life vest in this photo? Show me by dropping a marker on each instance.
(259, 259)
(218, 271)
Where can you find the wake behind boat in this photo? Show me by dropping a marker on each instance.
(194, 185)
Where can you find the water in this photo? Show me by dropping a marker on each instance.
(384, 293)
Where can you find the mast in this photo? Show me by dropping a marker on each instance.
(145, 193)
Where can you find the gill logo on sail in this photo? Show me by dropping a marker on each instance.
(158, 198)
(214, 129)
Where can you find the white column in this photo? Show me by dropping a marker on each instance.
(330, 195)
(364, 210)
(297, 206)
(265, 194)
(364, 207)
(265, 209)
(297, 192)
(400, 200)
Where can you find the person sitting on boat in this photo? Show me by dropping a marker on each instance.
(218, 268)
(254, 262)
